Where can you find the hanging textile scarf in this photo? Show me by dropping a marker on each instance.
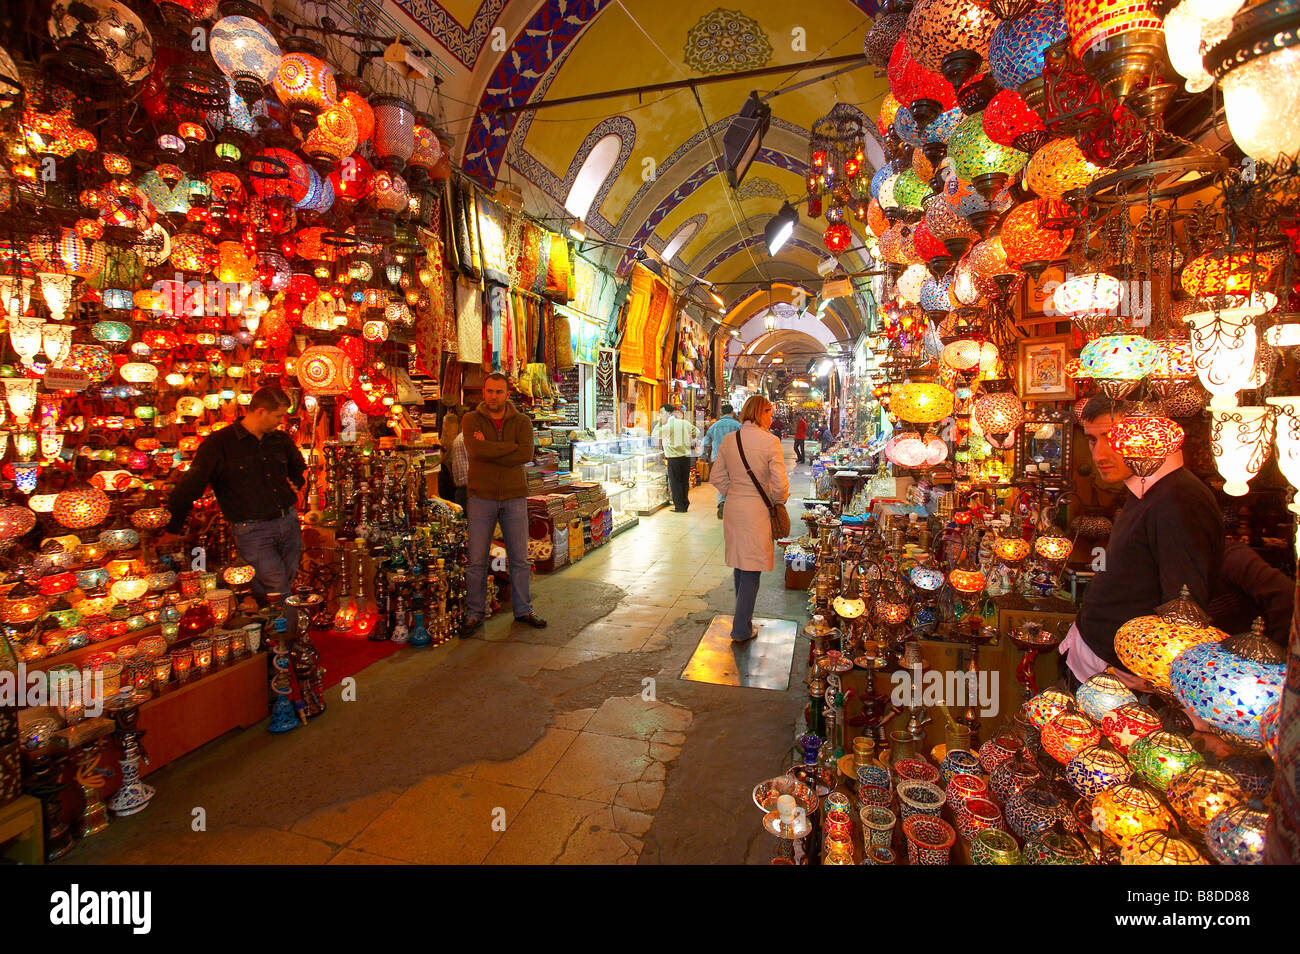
(431, 311)
(467, 242)
(543, 262)
(469, 322)
(496, 298)
(492, 234)
(452, 377)
(529, 248)
(557, 270)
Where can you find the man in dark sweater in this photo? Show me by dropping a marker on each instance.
(1169, 534)
(1249, 588)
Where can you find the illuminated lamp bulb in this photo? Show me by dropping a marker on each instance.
(1067, 735)
(920, 403)
(1119, 362)
(1053, 549)
(1159, 756)
(20, 395)
(1036, 231)
(1148, 645)
(79, 508)
(139, 372)
(25, 335)
(1224, 343)
(1160, 848)
(1231, 684)
(245, 51)
(1199, 793)
(305, 84)
(1240, 439)
(1093, 770)
(1011, 550)
(1125, 811)
(1145, 442)
(998, 414)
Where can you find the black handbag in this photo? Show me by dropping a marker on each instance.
(779, 517)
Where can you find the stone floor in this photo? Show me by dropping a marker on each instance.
(578, 743)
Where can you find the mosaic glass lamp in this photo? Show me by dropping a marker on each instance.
(1148, 645)
(1068, 734)
(1101, 694)
(1231, 684)
(1090, 301)
(81, 507)
(1053, 549)
(1033, 811)
(1053, 848)
(994, 847)
(305, 83)
(1046, 706)
(1118, 362)
(1123, 812)
(998, 414)
(922, 403)
(969, 354)
(1017, 46)
(335, 135)
(1199, 793)
(1012, 776)
(966, 581)
(1126, 724)
(936, 131)
(245, 51)
(1029, 233)
(976, 158)
(394, 135)
(1240, 440)
(1235, 836)
(1120, 40)
(937, 28)
(1009, 121)
(1160, 848)
(1059, 167)
(1145, 442)
(997, 750)
(1159, 756)
(1095, 769)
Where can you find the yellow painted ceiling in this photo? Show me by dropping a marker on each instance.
(638, 42)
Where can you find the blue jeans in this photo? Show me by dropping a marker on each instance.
(483, 516)
(274, 548)
(746, 584)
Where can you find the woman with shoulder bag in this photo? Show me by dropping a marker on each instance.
(749, 472)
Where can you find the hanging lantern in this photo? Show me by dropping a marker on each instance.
(101, 39)
(324, 370)
(1059, 167)
(1224, 343)
(1287, 435)
(79, 508)
(938, 28)
(305, 84)
(25, 337)
(375, 331)
(428, 150)
(245, 51)
(1124, 812)
(1257, 66)
(334, 136)
(1029, 232)
(1018, 46)
(909, 80)
(389, 193)
(1119, 40)
(976, 158)
(20, 395)
(922, 403)
(1199, 793)
(837, 238)
(1119, 362)
(394, 136)
(1145, 442)
(1240, 439)
(1090, 301)
(56, 289)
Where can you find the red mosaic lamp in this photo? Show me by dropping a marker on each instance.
(1145, 442)
(1009, 121)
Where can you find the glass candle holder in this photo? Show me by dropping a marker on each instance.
(919, 798)
(202, 655)
(916, 770)
(962, 787)
(1052, 848)
(222, 604)
(959, 762)
(875, 775)
(877, 825)
(182, 660)
(997, 750)
(1033, 811)
(1013, 776)
(994, 847)
(209, 582)
(1069, 734)
(875, 795)
(929, 839)
(978, 814)
(191, 583)
(838, 826)
(221, 648)
(238, 644)
(111, 673)
(162, 672)
(880, 855)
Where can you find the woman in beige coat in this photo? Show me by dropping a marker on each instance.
(746, 524)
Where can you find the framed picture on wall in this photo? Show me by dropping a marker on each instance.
(1037, 295)
(1041, 368)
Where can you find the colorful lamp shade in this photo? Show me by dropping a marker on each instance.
(334, 136)
(975, 155)
(1092, 23)
(1017, 46)
(1230, 684)
(966, 581)
(909, 80)
(1224, 343)
(245, 51)
(969, 354)
(1199, 793)
(25, 337)
(1148, 646)
(1009, 121)
(1227, 272)
(1053, 549)
(994, 847)
(936, 28)
(1059, 167)
(324, 370)
(997, 750)
(1036, 231)
(1258, 97)
(1067, 735)
(1156, 758)
(1096, 769)
(1123, 812)
(1126, 724)
(79, 508)
(1160, 848)
(305, 83)
(1145, 442)
(1235, 836)
(1034, 810)
(1122, 360)
(921, 403)
(20, 395)
(1088, 300)
(1102, 694)
(910, 282)
(1046, 706)
(1241, 439)
(1011, 550)
(394, 136)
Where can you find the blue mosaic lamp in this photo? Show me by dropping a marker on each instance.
(1096, 769)
(1231, 684)
(1235, 836)
(1101, 694)
(1017, 47)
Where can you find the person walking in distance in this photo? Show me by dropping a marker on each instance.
(712, 444)
(800, 435)
(750, 467)
(256, 471)
(499, 441)
(677, 435)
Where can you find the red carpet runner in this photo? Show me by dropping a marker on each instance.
(344, 656)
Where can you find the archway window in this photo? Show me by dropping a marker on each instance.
(595, 169)
(679, 239)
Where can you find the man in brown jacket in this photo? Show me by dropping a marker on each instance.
(499, 441)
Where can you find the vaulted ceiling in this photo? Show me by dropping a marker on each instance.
(509, 53)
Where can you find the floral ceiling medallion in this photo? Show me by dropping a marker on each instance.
(756, 186)
(724, 41)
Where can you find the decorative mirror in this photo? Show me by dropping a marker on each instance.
(1043, 448)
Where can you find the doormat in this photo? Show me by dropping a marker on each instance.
(762, 663)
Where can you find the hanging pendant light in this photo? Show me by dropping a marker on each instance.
(1258, 69)
(57, 342)
(1240, 439)
(1119, 362)
(1287, 436)
(1145, 442)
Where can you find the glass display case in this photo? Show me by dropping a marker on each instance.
(632, 471)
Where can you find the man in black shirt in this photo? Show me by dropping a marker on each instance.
(1169, 534)
(256, 472)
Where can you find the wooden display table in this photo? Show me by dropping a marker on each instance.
(21, 825)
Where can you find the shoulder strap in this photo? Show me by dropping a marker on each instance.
(759, 487)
